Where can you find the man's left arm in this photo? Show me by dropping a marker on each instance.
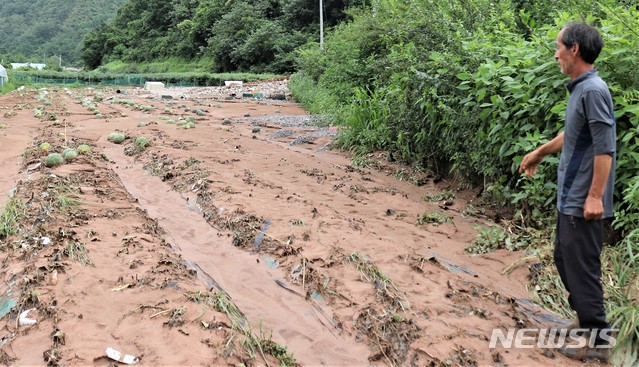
(593, 208)
(602, 126)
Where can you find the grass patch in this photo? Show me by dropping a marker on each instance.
(621, 286)
(8, 87)
(314, 98)
(440, 196)
(64, 203)
(77, 251)
(14, 211)
(435, 218)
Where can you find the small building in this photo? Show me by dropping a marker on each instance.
(18, 65)
(4, 78)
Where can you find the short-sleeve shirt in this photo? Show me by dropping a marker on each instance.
(589, 131)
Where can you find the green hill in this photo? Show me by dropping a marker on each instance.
(236, 35)
(38, 29)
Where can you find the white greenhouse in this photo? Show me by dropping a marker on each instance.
(4, 78)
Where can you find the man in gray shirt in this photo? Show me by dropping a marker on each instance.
(586, 181)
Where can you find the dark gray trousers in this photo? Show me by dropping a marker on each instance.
(577, 257)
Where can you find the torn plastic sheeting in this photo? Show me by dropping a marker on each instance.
(6, 305)
(210, 282)
(5, 339)
(316, 296)
(260, 236)
(271, 263)
(117, 356)
(539, 314)
(452, 267)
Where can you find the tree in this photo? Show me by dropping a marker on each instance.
(95, 46)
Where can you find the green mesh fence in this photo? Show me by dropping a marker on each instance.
(189, 79)
(123, 81)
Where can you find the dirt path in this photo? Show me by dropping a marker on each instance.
(237, 239)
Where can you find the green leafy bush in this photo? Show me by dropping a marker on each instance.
(14, 211)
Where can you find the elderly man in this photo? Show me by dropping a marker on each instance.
(585, 184)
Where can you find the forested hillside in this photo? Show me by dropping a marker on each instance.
(236, 35)
(38, 29)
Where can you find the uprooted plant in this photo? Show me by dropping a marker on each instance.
(253, 345)
(387, 326)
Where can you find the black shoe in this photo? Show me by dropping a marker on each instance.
(586, 353)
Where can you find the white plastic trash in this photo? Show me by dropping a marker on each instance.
(24, 320)
(117, 356)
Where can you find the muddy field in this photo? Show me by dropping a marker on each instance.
(232, 235)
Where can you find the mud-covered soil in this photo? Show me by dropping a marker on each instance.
(234, 235)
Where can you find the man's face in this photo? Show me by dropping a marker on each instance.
(565, 56)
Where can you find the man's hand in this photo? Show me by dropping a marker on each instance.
(531, 160)
(593, 208)
(530, 163)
